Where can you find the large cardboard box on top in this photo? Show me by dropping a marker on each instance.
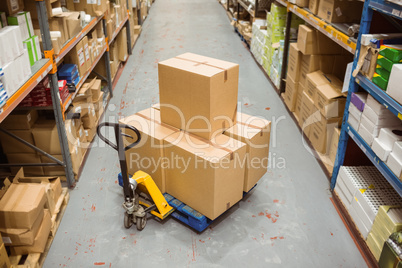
(255, 133)
(212, 180)
(147, 154)
(321, 132)
(295, 57)
(340, 10)
(40, 239)
(20, 120)
(198, 94)
(21, 205)
(311, 41)
(77, 56)
(46, 136)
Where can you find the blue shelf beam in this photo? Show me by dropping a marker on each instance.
(386, 8)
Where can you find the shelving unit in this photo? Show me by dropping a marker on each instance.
(39, 70)
(47, 67)
(73, 41)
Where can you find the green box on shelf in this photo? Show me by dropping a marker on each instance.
(380, 81)
(385, 63)
(383, 73)
(393, 54)
(32, 46)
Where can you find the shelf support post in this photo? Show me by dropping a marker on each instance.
(107, 60)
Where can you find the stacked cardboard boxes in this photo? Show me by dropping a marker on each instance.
(258, 40)
(363, 190)
(313, 87)
(194, 142)
(26, 210)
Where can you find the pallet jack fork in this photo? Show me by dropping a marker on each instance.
(139, 185)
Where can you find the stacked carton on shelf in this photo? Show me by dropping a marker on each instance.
(258, 40)
(205, 131)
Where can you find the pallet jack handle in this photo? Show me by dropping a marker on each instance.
(119, 147)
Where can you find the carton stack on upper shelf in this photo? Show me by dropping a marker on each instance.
(196, 139)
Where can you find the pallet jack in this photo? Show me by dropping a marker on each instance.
(141, 194)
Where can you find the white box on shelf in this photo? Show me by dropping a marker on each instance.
(395, 164)
(395, 82)
(365, 134)
(384, 118)
(397, 149)
(380, 149)
(359, 224)
(353, 122)
(23, 20)
(389, 135)
(361, 212)
(355, 112)
(11, 45)
(370, 126)
(377, 107)
(347, 196)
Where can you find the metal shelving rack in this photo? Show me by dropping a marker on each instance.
(48, 67)
(361, 81)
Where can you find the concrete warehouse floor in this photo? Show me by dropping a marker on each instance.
(288, 219)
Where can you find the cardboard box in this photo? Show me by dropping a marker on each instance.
(4, 260)
(380, 149)
(153, 132)
(295, 57)
(59, 24)
(96, 90)
(313, 6)
(20, 120)
(365, 134)
(384, 119)
(54, 170)
(121, 41)
(90, 134)
(25, 158)
(355, 112)
(340, 10)
(77, 56)
(83, 103)
(312, 63)
(89, 120)
(388, 136)
(333, 148)
(46, 136)
(11, 6)
(23, 20)
(73, 24)
(291, 92)
(310, 41)
(330, 101)
(211, 183)
(40, 239)
(307, 112)
(11, 145)
(76, 156)
(22, 237)
(318, 78)
(299, 101)
(4, 187)
(321, 133)
(198, 94)
(395, 164)
(21, 205)
(353, 122)
(255, 133)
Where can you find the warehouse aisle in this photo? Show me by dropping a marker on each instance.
(288, 219)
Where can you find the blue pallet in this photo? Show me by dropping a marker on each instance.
(187, 215)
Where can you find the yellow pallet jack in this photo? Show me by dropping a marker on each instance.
(141, 194)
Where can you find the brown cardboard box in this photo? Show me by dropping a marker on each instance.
(11, 6)
(89, 121)
(56, 44)
(25, 158)
(330, 101)
(307, 112)
(295, 57)
(53, 171)
(299, 101)
(291, 93)
(318, 78)
(340, 10)
(122, 45)
(144, 10)
(333, 147)
(90, 133)
(83, 103)
(71, 132)
(255, 133)
(85, 46)
(312, 63)
(137, 29)
(49, 183)
(11, 145)
(98, 104)
(311, 41)
(302, 3)
(58, 24)
(109, 28)
(321, 132)
(81, 137)
(77, 56)
(4, 187)
(4, 260)
(203, 89)
(114, 52)
(211, 183)
(40, 239)
(73, 24)
(313, 6)
(76, 156)
(85, 90)
(113, 68)
(21, 205)
(20, 120)
(22, 237)
(153, 133)
(46, 136)
(96, 90)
